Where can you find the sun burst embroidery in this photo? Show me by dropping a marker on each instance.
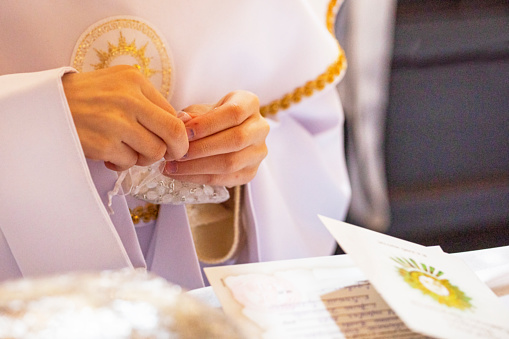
(124, 48)
(427, 279)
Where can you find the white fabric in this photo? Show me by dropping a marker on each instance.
(299, 180)
(54, 217)
(40, 214)
(369, 37)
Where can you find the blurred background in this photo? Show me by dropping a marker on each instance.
(426, 99)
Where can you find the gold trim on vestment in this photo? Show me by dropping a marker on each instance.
(312, 86)
(144, 213)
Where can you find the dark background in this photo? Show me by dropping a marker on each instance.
(447, 129)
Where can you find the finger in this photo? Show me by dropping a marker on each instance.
(218, 164)
(185, 117)
(122, 159)
(231, 111)
(113, 167)
(152, 94)
(107, 148)
(170, 129)
(252, 132)
(196, 110)
(150, 147)
(232, 179)
(161, 118)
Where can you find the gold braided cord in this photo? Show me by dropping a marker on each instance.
(310, 87)
(331, 16)
(144, 213)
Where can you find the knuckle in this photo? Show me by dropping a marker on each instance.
(231, 163)
(266, 126)
(124, 75)
(249, 174)
(176, 139)
(110, 151)
(132, 73)
(123, 100)
(176, 128)
(107, 149)
(240, 139)
(204, 148)
(264, 152)
(131, 78)
(122, 67)
(236, 113)
(255, 101)
(156, 152)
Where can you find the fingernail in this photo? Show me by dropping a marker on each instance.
(190, 133)
(183, 116)
(170, 167)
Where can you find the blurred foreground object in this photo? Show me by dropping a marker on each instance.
(110, 304)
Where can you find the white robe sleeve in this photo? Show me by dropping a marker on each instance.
(52, 217)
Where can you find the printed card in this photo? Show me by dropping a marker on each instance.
(434, 293)
(383, 288)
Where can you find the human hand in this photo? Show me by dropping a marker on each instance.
(122, 119)
(227, 142)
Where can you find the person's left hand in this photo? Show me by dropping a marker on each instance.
(226, 142)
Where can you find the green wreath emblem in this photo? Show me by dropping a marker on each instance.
(427, 280)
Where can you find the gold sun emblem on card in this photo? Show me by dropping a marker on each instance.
(428, 280)
(126, 40)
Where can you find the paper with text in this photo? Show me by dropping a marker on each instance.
(325, 297)
(434, 293)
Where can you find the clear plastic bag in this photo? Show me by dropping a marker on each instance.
(149, 184)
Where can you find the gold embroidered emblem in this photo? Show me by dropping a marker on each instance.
(125, 41)
(123, 48)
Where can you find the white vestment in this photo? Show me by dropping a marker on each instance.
(53, 200)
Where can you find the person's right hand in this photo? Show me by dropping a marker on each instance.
(122, 119)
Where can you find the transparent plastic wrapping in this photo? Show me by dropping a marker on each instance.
(149, 184)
